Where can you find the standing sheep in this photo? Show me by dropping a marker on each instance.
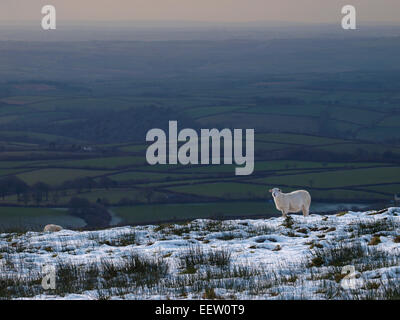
(292, 202)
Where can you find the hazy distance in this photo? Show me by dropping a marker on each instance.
(305, 11)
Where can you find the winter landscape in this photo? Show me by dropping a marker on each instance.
(139, 139)
(350, 255)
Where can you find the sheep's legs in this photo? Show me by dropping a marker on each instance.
(284, 214)
(305, 211)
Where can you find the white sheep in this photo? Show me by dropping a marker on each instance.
(52, 228)
(292, 202)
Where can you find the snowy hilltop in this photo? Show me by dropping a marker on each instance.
(350, 255)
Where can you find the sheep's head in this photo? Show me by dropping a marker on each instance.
(275, 191)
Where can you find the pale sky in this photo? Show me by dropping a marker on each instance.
(309, 11)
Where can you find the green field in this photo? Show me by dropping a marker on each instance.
(224, 190)
(108, 163)
(57, 176)
(337, 178)
(36, 218)
(75, 126)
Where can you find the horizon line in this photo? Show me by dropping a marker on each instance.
(200, 22)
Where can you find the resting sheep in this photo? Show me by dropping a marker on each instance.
(292, 202)
(52, 228)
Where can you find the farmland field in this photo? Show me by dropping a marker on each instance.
(78, 131)
(57, 176)
(36, 218)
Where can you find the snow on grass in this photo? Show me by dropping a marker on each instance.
(294, 258)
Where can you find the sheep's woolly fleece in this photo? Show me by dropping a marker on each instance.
(261, 243)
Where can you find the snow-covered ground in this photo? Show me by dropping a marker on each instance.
(296, 258)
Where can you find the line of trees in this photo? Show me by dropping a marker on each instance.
(95, 214)
(40, 191)
(13, 185)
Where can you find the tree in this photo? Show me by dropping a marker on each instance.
(56, 197)
(95, 215)
(26, 197)
(41, 189)
(12, 185)
(20, 187)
